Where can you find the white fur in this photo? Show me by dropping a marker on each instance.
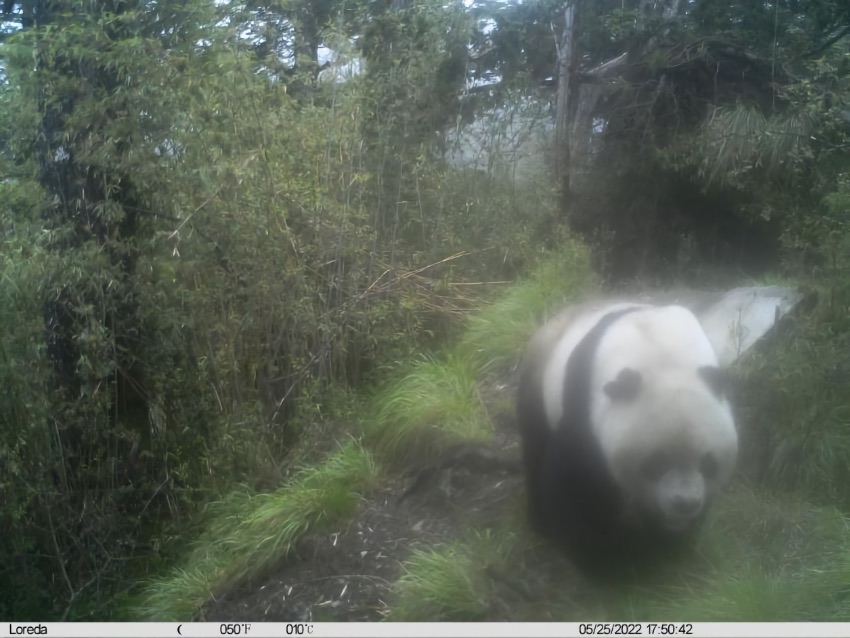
(581, 320)
(675, 410)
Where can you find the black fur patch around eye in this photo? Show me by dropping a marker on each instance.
(656, 466)
(708, 466)
(716, 379)
(625, 387)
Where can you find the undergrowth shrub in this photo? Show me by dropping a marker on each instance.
(794, 387)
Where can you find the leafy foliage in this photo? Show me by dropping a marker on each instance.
(718, 132)
(200, 247)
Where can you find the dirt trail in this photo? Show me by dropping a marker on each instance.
(347, 575)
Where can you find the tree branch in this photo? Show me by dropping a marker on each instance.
(605, 69)
(835, 38)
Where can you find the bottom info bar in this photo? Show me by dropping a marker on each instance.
(426, 630)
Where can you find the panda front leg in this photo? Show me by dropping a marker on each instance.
(535, 440)
(581, 503)
(534, 454)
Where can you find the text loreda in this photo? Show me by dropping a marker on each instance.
(27, 630)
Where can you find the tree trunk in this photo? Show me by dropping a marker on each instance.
(581, 133)
(564, 107)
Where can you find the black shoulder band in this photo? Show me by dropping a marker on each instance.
(576, 399)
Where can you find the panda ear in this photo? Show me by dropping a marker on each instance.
(716, 379)
(625, 387)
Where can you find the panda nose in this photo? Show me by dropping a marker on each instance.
(686, 505)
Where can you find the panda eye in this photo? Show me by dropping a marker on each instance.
(708, 466)
(656, 466)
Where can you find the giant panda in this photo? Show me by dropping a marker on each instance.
(626, 429)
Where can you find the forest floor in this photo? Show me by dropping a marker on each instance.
(349, 575)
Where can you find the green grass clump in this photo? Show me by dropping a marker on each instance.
(778, 533)
(760, 558)
(433, 406)
(751, 595)
(495, 336)
(437, 404)
(451, 583)
(250, 533)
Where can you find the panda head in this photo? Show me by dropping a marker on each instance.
(669, 440)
